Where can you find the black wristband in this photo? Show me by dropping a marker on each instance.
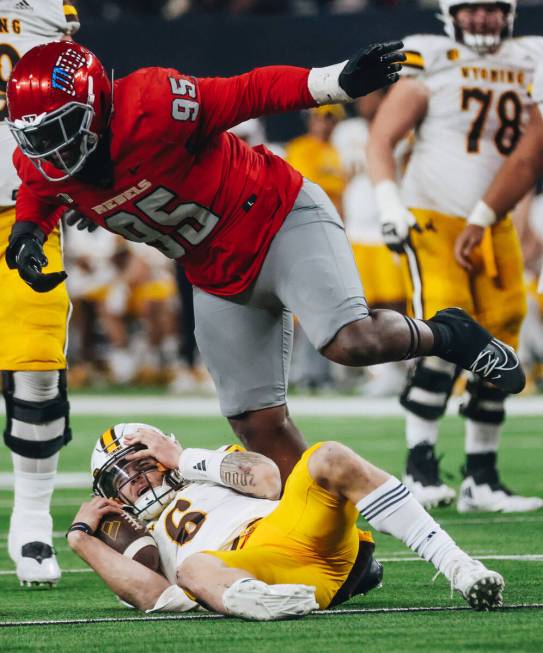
(80, 526)
(27, 228)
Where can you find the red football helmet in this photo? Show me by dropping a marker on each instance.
(60, 102)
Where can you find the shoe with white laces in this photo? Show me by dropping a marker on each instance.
(252, 599)
(37, 565)
(473, 348)
(481, 587)
(486, 493)
(422, 478)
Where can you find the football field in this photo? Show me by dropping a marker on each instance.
(409, 613)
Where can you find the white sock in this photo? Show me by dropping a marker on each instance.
(33, 486)
(34, 478)
(420, 431)
(481, 437)
(393, 510)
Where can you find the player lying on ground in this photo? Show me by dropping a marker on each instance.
(257, 241)
(227, 540)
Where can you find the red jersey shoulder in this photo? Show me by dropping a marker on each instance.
(161, 101)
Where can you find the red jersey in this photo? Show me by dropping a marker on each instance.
(181, 183)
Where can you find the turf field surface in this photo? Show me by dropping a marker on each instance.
(410, 612)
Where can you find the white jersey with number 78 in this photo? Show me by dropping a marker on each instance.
(477, 108)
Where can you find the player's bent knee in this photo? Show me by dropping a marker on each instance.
(274, 418)
(357, 343)
(255, 425)
(193, 572)
(36, 406)
(333, 466)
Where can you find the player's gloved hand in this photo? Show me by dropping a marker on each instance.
(25, 253)
(75, 219)
(374, 67)
(396, 220)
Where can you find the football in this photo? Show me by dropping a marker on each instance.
(130, 538)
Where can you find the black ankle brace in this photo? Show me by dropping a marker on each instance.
(443, 337)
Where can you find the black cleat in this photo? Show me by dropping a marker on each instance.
(473, 348)
(38, 566)
(371, 578)
(365, 575)
(423, 479)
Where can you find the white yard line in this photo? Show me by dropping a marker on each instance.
(130, 407)
(83, 570)
(60, 503)
(211, 616)
(528, 557)
(476, 521)
(63, 480)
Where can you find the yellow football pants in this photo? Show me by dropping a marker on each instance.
(147, 291)
(33, 325)
(381, 274)
(436, 281)
(310, 538)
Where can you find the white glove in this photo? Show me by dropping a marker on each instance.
(396, 220)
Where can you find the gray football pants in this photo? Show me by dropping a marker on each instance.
(246, 340)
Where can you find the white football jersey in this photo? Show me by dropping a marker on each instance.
(478, 106)
(23, 25)
(537, 89)
(350, 138)
(204, 516)
(537, 204)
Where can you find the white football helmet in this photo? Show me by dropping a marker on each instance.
(481, 43)
(112, 472)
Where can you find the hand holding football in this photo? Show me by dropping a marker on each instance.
(129, 537)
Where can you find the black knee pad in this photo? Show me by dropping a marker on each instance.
(36, 412)
(436, 382)
(485, 403)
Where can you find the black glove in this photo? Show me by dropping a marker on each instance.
(375, 66)
(25, 253)
(75, 219)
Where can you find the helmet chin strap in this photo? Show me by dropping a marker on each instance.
(152, 503)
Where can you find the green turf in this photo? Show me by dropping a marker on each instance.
(407, 584)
